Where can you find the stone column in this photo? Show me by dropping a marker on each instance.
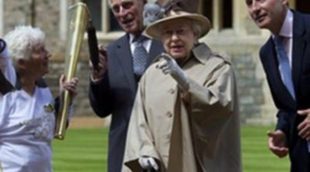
(240, 14)
(217, 15)
(1, 17)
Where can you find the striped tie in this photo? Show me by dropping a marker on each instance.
(140, 56)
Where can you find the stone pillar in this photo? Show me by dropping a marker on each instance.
(1, 17)
(217, 15)
(240, 13)
(292, 3)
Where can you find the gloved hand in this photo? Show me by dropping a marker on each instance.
(148, 163)
(169, 66)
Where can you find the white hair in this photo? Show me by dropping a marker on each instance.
(196, 28)
(22, 40)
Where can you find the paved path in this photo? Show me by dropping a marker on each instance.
(87, 122)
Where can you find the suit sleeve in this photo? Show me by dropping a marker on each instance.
(283, 122)
(100, 97)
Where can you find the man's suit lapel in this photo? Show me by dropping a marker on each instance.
(271, 64)
(299, 44)
(124, 57)
(156, 49)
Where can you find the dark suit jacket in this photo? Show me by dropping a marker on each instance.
(115, 95)
(288, 119)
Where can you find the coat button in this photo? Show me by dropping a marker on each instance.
(171, 91)
(169, 114)
(168, 136)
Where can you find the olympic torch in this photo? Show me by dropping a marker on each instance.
(78, 18)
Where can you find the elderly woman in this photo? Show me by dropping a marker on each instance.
(27, 114)
(185, 117)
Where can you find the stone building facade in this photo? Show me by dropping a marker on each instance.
(233, 33)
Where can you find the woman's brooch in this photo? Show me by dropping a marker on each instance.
(49, 108)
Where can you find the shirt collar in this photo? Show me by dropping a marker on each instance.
(131, 37)
(287, 27)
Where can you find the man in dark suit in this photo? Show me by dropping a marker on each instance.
(113, 86)
(286, 61)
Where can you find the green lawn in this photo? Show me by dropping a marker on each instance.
(84, 150)
(255, 153)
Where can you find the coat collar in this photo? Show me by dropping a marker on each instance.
(123, 54)
(202, 53)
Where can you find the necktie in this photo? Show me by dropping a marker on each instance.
(140, 56)
(284, 65)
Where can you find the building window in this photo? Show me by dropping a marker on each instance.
(206, 9)
(227, 19)
(114, 26)
(102, 16)
(219, 12)
(95, 12)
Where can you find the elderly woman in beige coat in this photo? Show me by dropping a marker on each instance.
(185, 117)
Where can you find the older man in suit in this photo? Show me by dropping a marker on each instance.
(286, 61)
(113, 86)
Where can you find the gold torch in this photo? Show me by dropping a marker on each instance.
(78, 18)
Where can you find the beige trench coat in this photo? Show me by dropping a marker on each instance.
(209, 119)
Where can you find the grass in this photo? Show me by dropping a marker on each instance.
(255, 154)
(85, 150)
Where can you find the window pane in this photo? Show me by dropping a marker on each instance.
(95, 10)
(207, 9)
(227, 13)
(114, 26)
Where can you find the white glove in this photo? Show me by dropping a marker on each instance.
(169, 66)
(148, 163)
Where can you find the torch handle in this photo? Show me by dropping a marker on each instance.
(93, 45)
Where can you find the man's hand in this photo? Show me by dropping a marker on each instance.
(304, 126)
(148, 163)
(277, 143)
(97, 75)
(169, 66)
